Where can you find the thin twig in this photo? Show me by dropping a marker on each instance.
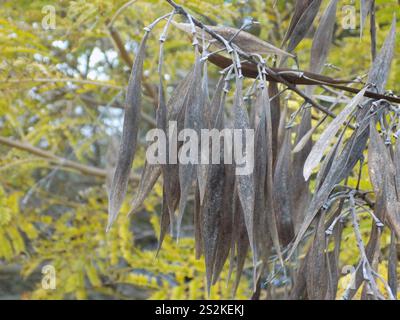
(119, 11)
(367, 269)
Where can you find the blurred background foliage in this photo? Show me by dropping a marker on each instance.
(62, 91)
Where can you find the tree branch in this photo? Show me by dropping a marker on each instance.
(84, 169)
(73, 80)
(119, 11)
(275, 74)
(299, 77)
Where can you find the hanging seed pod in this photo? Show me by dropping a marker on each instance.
(242, 39)
(275, 106)
(260, 171)
(165, 221)
(212, 212)
(151, 172)
(300, 8)
(301, 190)
(161, 121)
(242, 242)
(326, 165)
(382, 172)
(341, 167)
(299, 290)
(393, 262)
(270, 217)
(317, 280)
(216, 219)
(366, 7)
(198, 225)
(111, 162)
(148, 179)
(245, 183)
(381, 67)
(323, 38)
(202, 168)
(283, 193)
(302, 26)
(192, 120)
(129, 136)
(225, 233)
